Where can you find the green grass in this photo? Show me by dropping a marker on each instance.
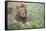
(35, 15)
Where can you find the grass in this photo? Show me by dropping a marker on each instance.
(35, 15)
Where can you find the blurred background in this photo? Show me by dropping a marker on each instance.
(35, 16)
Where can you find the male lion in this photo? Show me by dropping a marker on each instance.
(21, 14)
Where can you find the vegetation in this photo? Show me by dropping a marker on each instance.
(35, 17)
